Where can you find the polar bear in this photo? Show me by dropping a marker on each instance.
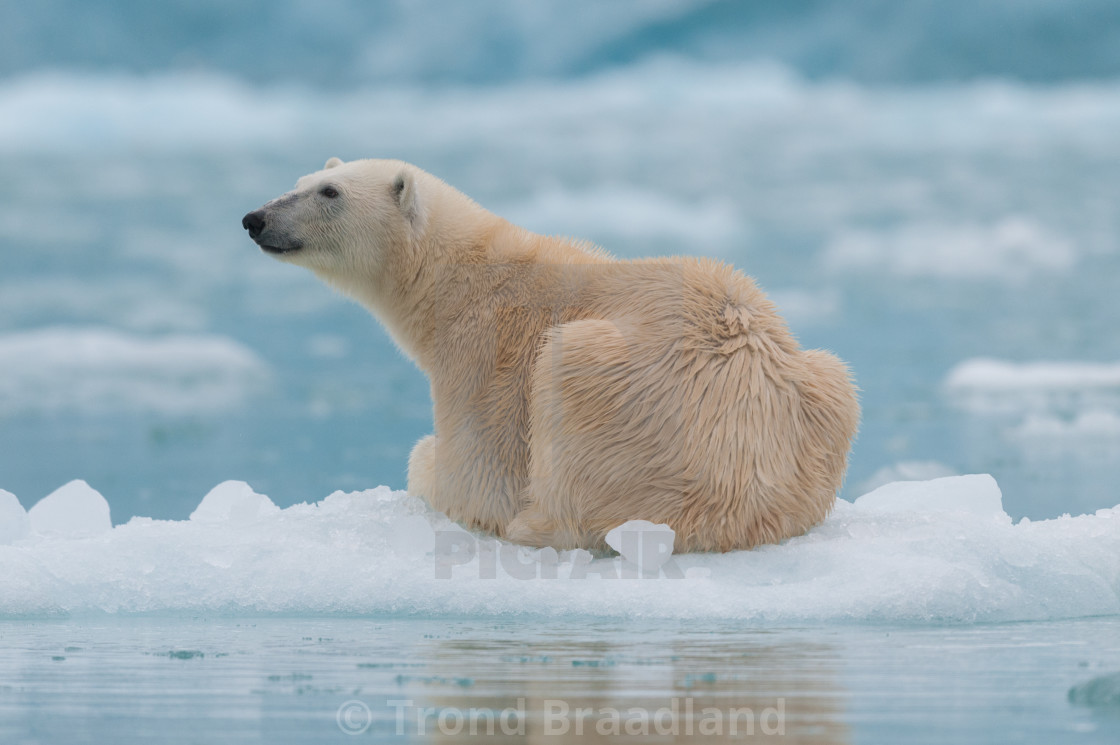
(571, 391)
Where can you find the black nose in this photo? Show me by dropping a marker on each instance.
(254, 223)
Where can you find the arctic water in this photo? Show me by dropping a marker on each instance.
(945, 221)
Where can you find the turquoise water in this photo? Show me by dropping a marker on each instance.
(277, 680)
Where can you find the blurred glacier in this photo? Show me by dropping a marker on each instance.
(1011, 249)
(92, 370)
(347, 42)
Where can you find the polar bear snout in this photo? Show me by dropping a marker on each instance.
(254, 222)
(267, 234)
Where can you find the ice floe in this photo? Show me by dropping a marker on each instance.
(910, 552)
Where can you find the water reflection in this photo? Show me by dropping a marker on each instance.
(281, 680)
(706, 686)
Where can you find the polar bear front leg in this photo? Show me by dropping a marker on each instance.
(422, 468)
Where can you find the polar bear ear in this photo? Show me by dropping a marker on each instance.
(333, 163)
(404, 191)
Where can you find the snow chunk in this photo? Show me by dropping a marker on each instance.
(644, 544)
(72, 510)
(978, 494)
(14, 523)
(233, 502)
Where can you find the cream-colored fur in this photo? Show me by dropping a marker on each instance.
(572, 391)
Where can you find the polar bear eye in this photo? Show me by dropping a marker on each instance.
(329, 192)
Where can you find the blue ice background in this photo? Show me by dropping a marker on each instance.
(343, 43)
(829, 149)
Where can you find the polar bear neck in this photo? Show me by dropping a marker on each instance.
(462, 257)
(407, 289)
(446, 258)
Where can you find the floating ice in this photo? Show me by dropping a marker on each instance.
(978, 494)
(134, 303)
(608, 212)
(91, 369)
(233, 502)
(1085, 427)
(644, 544)
(14, 523)
(724, 104)
(996, 375)
(413, 533)
(1011, 249)
(1052, 399)
(914, 552)
(72, 510)
(800, 306)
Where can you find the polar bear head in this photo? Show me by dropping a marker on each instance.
(349, 218)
